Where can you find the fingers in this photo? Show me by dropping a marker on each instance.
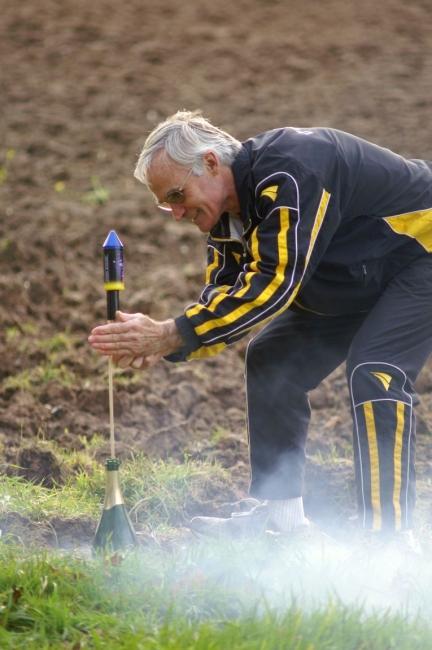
(149, 362)
(123, 361)
(127, 361)
(134, 325)
(111, 328)
(138, 335)
(124, 317)
(123, 323)
(137, 363)
(119, 337)
(114, 344)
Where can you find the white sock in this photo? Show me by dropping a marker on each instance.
(287, 514)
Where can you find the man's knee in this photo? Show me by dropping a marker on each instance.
(375, 380)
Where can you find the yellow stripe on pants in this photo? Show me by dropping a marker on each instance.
(374, 465)
(397, 462)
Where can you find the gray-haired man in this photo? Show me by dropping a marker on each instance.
(329, 238)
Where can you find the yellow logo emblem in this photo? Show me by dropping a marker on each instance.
(270, 192)
(384, 378)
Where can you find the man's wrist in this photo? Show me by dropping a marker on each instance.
(172, 337)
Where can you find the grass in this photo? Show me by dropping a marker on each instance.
(178, 593)
(53, 355)
(153, 600)
(98, 195)
(5, 164)
(50, 368)
(159, 492)
(28, 337)
(38, 376)
(14, 335)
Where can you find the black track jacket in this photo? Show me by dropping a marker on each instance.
(326, 220)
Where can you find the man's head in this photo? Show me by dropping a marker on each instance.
(186, 164)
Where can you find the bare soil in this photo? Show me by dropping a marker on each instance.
(82, 83)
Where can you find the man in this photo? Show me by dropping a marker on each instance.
(328, 238)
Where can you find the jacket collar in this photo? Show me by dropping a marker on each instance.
(241, 169)
(229, 228)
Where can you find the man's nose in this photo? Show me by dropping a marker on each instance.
(178, 211)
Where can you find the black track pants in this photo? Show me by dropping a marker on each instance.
(384, 349)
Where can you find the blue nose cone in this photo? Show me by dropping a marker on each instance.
(112, 241)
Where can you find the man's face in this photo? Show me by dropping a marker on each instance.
(199, 199)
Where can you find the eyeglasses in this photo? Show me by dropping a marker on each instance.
(175, 196)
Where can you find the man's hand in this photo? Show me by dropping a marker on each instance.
(137, 363)
(138, 339)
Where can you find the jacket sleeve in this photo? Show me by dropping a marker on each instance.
(222, 270)
(284, 247)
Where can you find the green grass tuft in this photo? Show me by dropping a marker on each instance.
(159, 493)
(39, 376)
(98, 195)
(151, 600)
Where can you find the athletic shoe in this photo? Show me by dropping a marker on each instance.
(252, 523)
(240, 524)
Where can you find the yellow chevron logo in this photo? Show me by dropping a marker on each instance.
(270, 192)
(384, 378)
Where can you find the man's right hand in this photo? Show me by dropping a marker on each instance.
(137, 363)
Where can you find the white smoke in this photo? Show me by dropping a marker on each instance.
(277, 572)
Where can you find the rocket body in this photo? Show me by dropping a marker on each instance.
(113, 272)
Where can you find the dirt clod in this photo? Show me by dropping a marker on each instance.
(39, 466)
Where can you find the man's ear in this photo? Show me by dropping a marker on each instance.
(211, 162)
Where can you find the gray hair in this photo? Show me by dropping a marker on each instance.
(186, 136)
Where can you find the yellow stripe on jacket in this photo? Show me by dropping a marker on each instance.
(267, 293)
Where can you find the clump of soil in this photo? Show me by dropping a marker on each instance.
(17, 529)
(39, 466)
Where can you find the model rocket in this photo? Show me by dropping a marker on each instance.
(113, 272)
(115, 531)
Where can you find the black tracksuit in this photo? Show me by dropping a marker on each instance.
(333, 247)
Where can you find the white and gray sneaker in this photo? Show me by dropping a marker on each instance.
(256, 521)
(241, 524)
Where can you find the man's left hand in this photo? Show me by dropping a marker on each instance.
(137, 335)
